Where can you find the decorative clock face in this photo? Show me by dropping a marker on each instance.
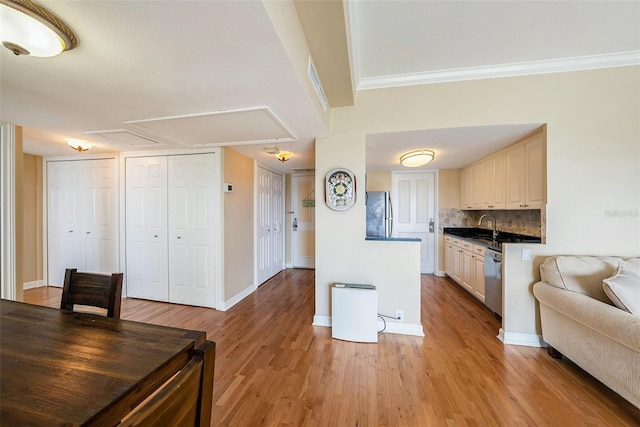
(340, 189)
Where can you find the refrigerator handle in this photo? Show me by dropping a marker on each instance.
(390, 216)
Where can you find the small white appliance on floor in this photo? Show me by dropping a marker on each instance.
(354, 312)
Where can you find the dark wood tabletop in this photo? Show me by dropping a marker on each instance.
(64, 368)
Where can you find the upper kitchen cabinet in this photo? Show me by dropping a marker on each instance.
(526, 174)
(483, 184)
(512, 178)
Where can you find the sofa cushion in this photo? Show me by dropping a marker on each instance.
(623, 288)
(583, 274)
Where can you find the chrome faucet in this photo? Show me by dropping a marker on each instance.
(493, 221)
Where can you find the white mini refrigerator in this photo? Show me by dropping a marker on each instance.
(354, 312)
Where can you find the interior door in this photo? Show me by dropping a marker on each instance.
(63, 220)
(82, 217)
(263, 226)
(277, 223)
(99, 216)
(146, 228)
(303, 221)
(414, 212)
(269, 225)
(191, 208)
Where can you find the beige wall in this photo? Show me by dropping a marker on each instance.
(378, 181)
(32, 219)
(593, 173)
(238, 223)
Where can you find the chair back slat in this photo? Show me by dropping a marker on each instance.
(92, 289)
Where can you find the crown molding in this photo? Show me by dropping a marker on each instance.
(620, 59)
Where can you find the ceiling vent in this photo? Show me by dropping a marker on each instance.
(126, 137)
(303, 170)
(231, 126)
(317, 86)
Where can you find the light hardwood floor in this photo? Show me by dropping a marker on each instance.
(273, 368)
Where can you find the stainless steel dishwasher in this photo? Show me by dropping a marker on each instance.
(493, 281)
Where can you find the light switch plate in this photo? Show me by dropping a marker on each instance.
(526, 254)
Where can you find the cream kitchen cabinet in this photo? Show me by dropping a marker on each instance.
(526, 175)
(512, 178)
(471, 182)
(464, 263)
(483, 184)
(493, 182)
(478, 272)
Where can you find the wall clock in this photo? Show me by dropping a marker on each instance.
(340, 189)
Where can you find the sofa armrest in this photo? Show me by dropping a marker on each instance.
(608, 320)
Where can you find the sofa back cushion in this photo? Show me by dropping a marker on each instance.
(583, 274)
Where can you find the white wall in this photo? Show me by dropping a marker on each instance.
(593, 173)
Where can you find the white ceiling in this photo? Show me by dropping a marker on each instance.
(150, 68)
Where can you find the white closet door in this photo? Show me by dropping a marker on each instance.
(146, 228)
(63, 220)
(99, 217)
(82, 217)
(277, 223)
(265, 247)
(191, 233)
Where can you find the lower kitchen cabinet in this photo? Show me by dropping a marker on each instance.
(464, 263)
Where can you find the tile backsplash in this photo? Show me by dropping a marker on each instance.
(528, 222)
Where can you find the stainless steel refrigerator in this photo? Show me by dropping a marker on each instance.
(379, 214)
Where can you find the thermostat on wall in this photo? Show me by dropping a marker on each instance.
(228, 188)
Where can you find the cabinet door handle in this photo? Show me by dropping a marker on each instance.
(70, 231)
(179, 237)
(155, 235)
(88, 232)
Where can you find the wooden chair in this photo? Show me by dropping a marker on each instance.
(185, 400)
(92, 289)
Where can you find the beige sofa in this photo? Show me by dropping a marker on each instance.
(580, 321)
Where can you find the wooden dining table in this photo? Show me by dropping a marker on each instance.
(60, 367)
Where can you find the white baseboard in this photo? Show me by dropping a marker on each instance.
(404, 329)
(236, 299)
(516, 338)
(34, 284)
(392, 327)
(322, 321)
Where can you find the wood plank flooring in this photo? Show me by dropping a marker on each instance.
(273, 368)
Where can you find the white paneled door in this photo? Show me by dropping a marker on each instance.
(414, 212)
(170, 228)
(82, 217)
(269, 224)
(191, 231)
(303, 221)
(146, 228)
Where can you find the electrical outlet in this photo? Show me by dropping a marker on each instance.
(400, 315)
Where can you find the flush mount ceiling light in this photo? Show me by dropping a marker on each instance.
(30, 29)
(78, 144)
(283, 156)
(416, 158)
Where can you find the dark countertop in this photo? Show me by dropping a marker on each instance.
(483, 237)
(394, 239)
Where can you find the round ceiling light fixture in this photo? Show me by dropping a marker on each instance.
(78, 144)
(283, 156)
(413, 159)
(30, 29)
